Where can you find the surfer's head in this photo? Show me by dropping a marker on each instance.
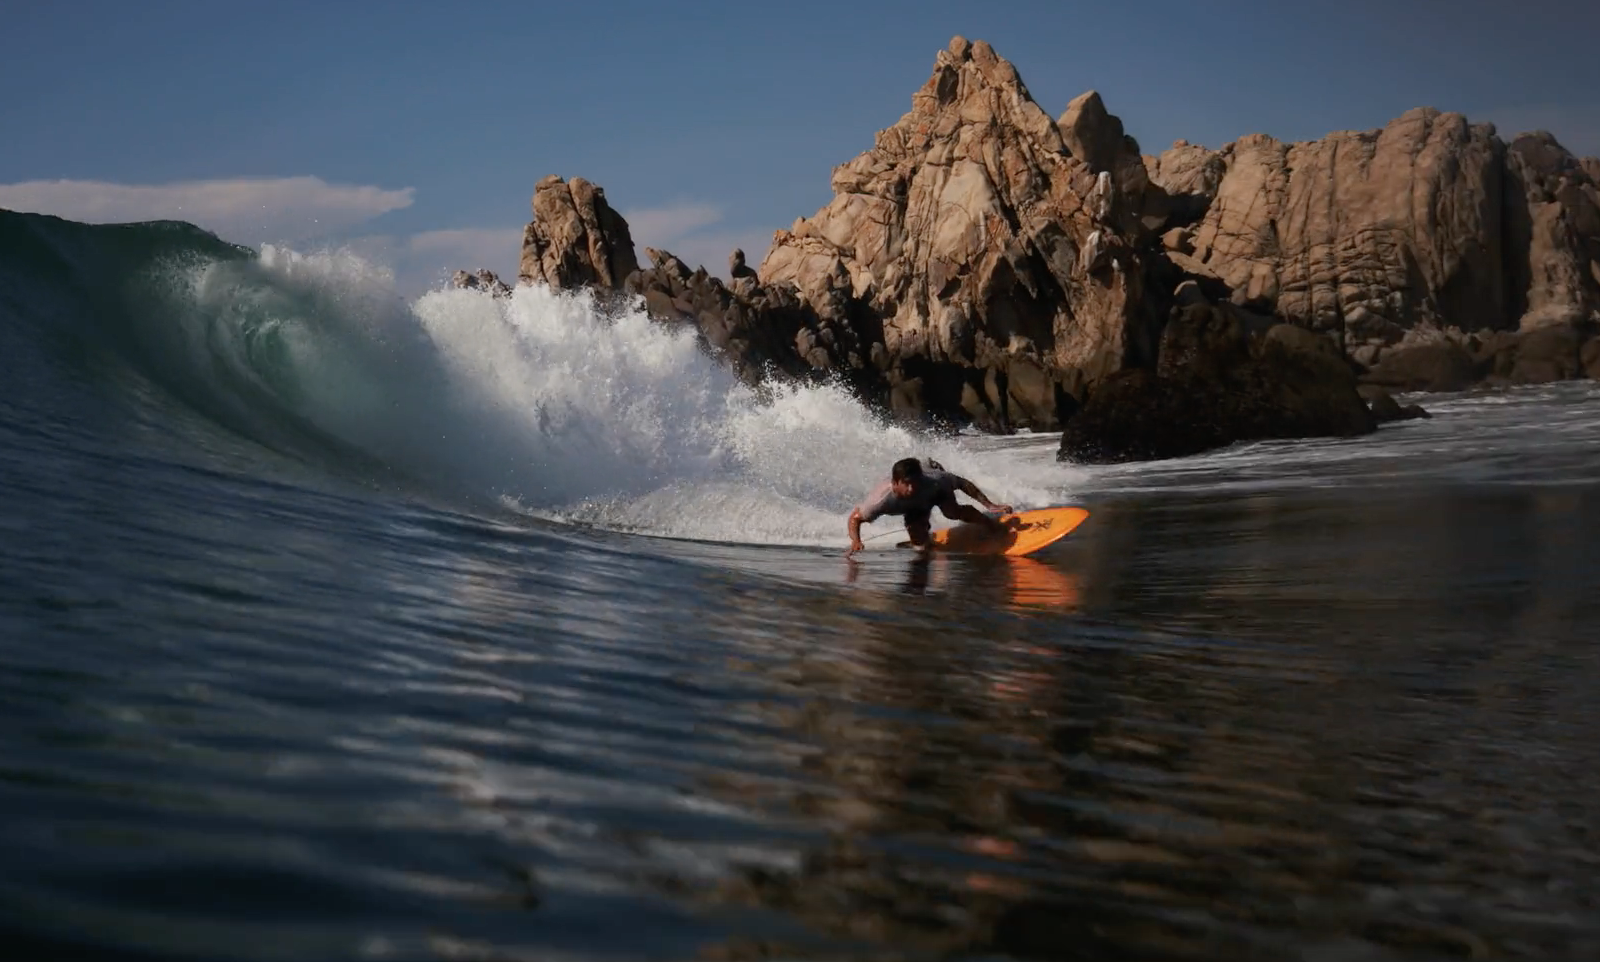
(904, 476)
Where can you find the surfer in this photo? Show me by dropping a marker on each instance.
(914, 491)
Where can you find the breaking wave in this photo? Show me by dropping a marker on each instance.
(541, 402)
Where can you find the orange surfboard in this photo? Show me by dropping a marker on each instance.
(1026, 532)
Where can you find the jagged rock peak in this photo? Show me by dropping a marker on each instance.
(575, 238)
(984, 244)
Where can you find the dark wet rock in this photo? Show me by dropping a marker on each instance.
(1590, 357)
(1386, 409)
(1547, 354)
(1211, 389)
(758, 329)
(1539, 356)
(1438, 366)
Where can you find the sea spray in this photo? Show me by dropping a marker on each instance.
(635, 427)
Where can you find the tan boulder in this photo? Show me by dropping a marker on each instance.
(1096, 136)
(982, 240)
(575, 238)
(1189, 175)
(1178, 240)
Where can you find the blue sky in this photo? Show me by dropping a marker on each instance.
(416, 131)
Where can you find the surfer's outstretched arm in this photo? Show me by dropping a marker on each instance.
(855, 532)
(956, 511)
(971, 490)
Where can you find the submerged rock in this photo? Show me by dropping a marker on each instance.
(1386, 409)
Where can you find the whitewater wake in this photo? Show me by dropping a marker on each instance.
(551, 406)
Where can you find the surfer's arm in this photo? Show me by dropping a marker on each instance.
(855, 532)
(971, 490)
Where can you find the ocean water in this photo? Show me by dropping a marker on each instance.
(339, 626)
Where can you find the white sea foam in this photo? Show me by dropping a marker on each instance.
(633, 427)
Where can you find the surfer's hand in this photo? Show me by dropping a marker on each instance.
(1001, 508)
(855, 545)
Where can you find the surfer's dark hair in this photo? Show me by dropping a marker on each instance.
(906, 469)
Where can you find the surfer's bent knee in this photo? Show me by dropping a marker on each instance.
(918, 526)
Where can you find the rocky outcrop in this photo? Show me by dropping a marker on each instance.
(575, 239)
(481, 280)
(1555, 255)
(757, 329)
(1431, 225)
(1216, 386)
(996, 249)
(1189, 175)
(1363, 235)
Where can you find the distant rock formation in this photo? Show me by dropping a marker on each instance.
(985, 264)
(1430, 225)
(1359, 234)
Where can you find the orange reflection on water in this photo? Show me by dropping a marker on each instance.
(1037, 584)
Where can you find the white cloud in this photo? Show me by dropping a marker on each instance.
(1576, 126)
(427, 260)
(680, 229)
(711, 250)
(666, 223)
(481, 243)
(245, 210)
(496, 248)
